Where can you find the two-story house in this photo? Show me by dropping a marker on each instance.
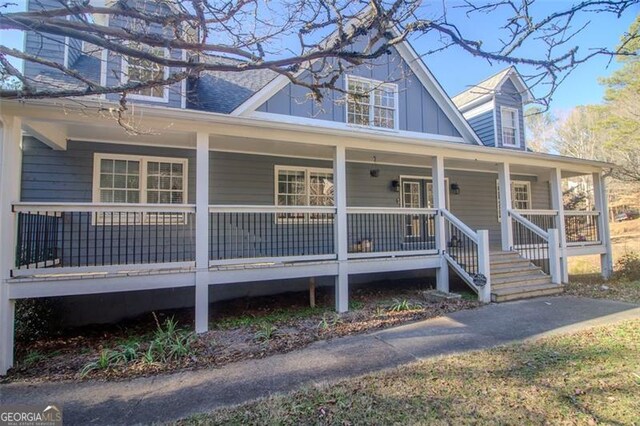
(239, 182)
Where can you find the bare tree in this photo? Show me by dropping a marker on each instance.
(323, 38)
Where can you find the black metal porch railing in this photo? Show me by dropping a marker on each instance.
(83, 235)
(581, 227)
(530, 242)
(462, 245)
(379, 230)
(253, 232)
(543, 219)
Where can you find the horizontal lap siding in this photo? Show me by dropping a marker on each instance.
(509, 97)
(483, 125)
(250, 179)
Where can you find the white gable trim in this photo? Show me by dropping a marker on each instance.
(409, 55)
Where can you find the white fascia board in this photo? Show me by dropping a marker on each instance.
(338, 125)
(217, 123)
(489, 105)
(51, 134)
(522, 87)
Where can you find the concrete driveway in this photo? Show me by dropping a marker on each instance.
(173, 396)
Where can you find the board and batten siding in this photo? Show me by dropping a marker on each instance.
(484, 126)
(49, 47)
(509, 96)
(417, 110)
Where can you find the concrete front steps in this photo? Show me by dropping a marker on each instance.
(514, 277)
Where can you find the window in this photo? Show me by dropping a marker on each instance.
(510, 126)
(520, 196)
(372, 103)
(133, 179)
(299, 186)
(138, 70)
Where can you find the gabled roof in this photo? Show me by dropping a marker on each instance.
(221, 91)
(417, 65)
(491, 86)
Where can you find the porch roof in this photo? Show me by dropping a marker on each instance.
(75, 121)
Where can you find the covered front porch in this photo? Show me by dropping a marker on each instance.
(251, 200)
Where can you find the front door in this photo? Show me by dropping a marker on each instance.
(412, 198)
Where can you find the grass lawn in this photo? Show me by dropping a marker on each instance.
(584, 378)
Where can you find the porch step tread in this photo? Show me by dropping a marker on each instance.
(526, 277)
(524, 292)
(513, 270)
(516, 261)
(521, 284)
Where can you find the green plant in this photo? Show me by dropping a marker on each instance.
(628, 267)
(32, 357)
(329, 320)
(379, 311)
(106, 359)
(265, 333)
(403, 305)
(169, 342)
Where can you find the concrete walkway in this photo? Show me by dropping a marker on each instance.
(169, 397)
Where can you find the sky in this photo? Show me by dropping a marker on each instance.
(457, 70)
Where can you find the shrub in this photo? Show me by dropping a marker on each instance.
(628, 267)
(169, 343)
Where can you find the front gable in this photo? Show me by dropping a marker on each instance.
(417, 110)
(422, 105)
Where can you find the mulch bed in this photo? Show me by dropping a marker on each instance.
(232, 336)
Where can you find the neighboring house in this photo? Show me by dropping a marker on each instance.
(240, 180)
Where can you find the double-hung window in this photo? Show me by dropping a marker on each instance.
(520, 196)
(138, 70)
(510, 126)
(372, 103)
(132, 179)
(301, 186)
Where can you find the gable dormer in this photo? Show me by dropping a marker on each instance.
(103, 67)
(494, 109)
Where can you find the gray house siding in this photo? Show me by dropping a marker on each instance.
(509, 96)
(417, 110)
(483, 125)
(245, 179)
(50, 47)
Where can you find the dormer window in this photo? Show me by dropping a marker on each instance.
(372, 103)
(510, 126)
(141, 70)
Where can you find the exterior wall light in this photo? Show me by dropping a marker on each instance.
(455, 189)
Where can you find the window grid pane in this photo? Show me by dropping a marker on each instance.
(140, 70)
(371, 103)
(119, 181)
(165, 182)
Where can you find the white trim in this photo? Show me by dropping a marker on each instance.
(307, 181)
(97, 270)
(39, 207)
(124, 78)
(143, 173)
(363, 130)
(518, 143)
(225, 208)
(265, 261)
(392, 254)
(514, 182)
(428, 179)
(183, 84)
(374, 85)
(524, 90)
(480, 109)
(320, 135)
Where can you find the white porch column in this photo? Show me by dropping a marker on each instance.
(602, 206)
(202, 232)
(340, 228)
(10, 174)
(558, 205)
(439, 201)
(504, 183)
